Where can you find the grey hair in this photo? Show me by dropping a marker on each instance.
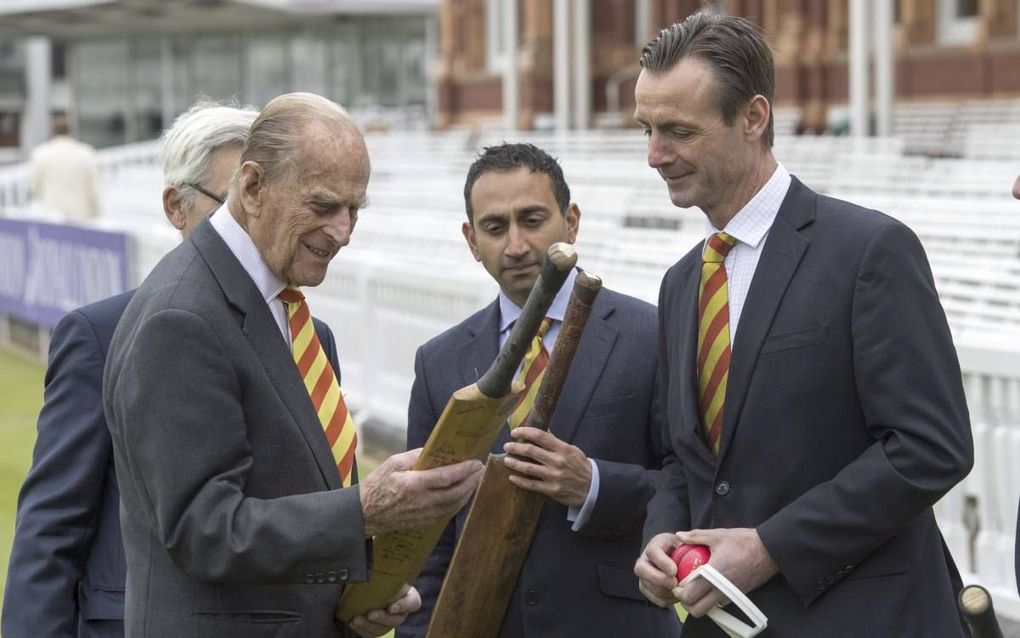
(280, 131)
(196, 134)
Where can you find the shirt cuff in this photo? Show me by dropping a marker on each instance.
(579, 517)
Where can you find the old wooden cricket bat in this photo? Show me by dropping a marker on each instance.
(502, 521)
(466, 429)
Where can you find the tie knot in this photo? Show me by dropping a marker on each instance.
(544, 327)
(717, 247)
(291, 296)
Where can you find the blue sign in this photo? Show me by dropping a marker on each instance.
(47, 270)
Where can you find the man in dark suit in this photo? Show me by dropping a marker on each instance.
(605, 434)
(808, 455)
(233, 449)
(66, 573)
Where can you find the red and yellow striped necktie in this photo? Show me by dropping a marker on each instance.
(713, 337)
(317, 373)
(532, 369)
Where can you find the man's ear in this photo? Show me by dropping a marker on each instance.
(573, 216)
(469, 235)
(173, 207)
(756, 118)
(251, 186)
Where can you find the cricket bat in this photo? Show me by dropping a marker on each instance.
(466, 429)
(503, 518)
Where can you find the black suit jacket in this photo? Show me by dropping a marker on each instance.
(67, 569)
(232, 512)
(844, 421)
(573, 583)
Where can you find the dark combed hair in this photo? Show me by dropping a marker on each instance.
(733, 47)
(507, 157)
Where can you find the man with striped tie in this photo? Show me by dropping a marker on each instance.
(597, 462)
(241, 510)
(814, 402)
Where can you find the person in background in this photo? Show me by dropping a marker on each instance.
(64, 175)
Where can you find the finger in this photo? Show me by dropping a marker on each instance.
(661, 560)
(408, 602)
(532, 485)
(533, 452)
(365, 627)
(658, 596)
(705, 604)
(541, 438)
(526, 468)
(439, 478)
(650, 572)
(697, 537)
(404, 460)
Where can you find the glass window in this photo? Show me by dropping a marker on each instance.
(216, 68)
(147, 91)
(101, 83)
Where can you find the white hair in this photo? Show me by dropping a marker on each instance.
(196, 134)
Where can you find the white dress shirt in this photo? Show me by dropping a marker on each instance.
(509, 312)
(750, 226)
(240, 243)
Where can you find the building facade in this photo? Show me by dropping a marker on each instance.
(944, 49)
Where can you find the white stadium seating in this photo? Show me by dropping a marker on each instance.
(408, 274)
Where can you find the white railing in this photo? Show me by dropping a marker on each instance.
(407, 276)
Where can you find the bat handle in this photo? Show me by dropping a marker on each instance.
(976, 605)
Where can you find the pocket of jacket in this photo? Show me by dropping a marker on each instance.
(610, 405)
(254, 616)
(795, 340)
(619, 582)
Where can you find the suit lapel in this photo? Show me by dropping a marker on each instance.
(268, 344)
(585, 370)
(685, 307)
(784, 248)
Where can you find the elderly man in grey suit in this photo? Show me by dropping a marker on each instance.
(66, 573)
(240, 512)
(597, 463)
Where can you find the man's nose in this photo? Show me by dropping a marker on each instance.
(340, 227)
(658, 155)
(515, 242)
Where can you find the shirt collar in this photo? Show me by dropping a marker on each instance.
(509, 311)
(753, 221)
(241, 244)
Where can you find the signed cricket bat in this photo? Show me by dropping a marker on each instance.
(466, 429)
(497, 534)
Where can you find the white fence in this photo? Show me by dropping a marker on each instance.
(407, 276)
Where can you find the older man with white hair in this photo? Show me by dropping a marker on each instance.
(242, 513)
(67, 568)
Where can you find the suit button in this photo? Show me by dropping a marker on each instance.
(531, 597)
(723, 488)
(320, 578)
(310, 579)
(342, 575)
(331, 577)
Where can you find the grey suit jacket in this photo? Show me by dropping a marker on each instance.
(233, 518)
(573, 583)
(67, 569)
(844, 421)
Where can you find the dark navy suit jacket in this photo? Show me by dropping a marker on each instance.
(573, 583)
(844, 421)
(67, 568)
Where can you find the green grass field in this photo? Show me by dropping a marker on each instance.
(21, 394)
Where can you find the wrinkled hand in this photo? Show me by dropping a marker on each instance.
(395, 497)
(738, 554)
(379, 621)
(656, 571)
(548, 466)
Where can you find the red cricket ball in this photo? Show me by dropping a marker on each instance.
(688, 558)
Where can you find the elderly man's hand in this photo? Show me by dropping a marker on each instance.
(548, 465)
(738, 554)
(656, 571)
(379, 621)
(395, 497)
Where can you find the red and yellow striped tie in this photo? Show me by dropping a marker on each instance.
(532, 369)
(713, 337)
(317, 373)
